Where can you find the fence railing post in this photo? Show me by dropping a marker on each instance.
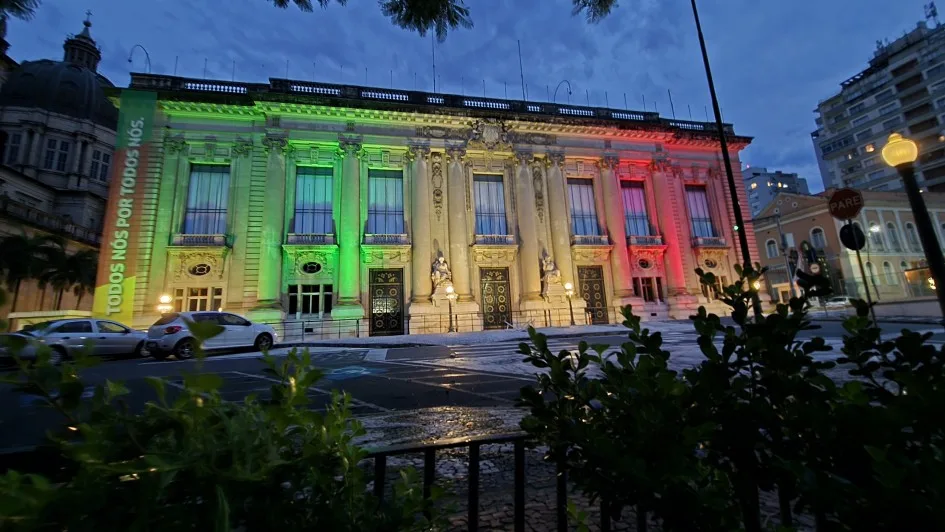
(429, 475)
(380, 474)
(604, 516)
(519, 486)
(473, 500)
(562, 498)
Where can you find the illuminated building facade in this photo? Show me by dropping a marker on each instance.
(366, 208)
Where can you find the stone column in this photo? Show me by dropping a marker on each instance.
(420, 225)
(527, 230)
(669, 224)
(269, 288)
(349, 234)
(559, 218)
(36, 149)
(242, 155)
(77, 157)
(616, 227)
(457, 204)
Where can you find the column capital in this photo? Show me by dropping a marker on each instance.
(242, 147)
(350, 148)
(660, 164)
(610, 162)
(556, 158)
(416, 151)
(175, 144)
(455, 154)
(271, 143)
(522, 158)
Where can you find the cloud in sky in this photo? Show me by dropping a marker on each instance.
(772, 61)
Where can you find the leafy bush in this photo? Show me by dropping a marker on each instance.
(760, 414)
(194, 461)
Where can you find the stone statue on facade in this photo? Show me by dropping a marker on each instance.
(441, 273)
(550, 276)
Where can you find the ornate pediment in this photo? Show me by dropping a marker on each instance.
(444, 133)
(196, 264)
(712, 259)
(647, 261)
(385, 255)
(303, 262)
(593, 254)
(494, 255)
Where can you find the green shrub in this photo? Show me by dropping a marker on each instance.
(194, 461)
(758, 415)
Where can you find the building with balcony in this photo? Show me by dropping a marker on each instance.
(892, 256)
(762, 186)
(370, 208)
(57, 134)
(901, 91)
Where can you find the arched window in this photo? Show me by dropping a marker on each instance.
(817, 238)
(912, 238)
(890, 274)
(871, 272)
(893, 235)
(771, 247)
(876, 239)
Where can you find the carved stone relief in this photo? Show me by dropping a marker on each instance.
(436, 173)
(647, 261)
(175, 144)
(242, 147)
(386, 255)
(712, 258)
(485, 255)
(196, 265)
(591, 253)
(271, 143)
(539, 191)
(445, 133)
(489, 134)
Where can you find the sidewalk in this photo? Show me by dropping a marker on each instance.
(843, 314)
(465, 338)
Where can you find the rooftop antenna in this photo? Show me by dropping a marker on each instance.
(414, 81)
(506, 84)
(521, 71)
(433, 46)
(690, 111)
(365, 76)
(644, 101)
(587, 97)
(392, 79)
(606, 100)
(671, 106)
(204, 68)
(462, 82)
(314, 71)
(483, 88)
(176, 57)
(233, 71)
(625, 106)
(286, 69)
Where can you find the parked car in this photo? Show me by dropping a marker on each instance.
(23, 345)
(104, 337)
(839, 302)
(170, 336)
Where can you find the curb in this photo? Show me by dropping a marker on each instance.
(415, 344)
(880, 319)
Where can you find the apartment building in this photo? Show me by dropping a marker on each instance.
(762, 186)
(901, 91)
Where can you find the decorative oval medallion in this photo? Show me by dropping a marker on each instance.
(644, 264)
(711, 264)
(200, 269)
(311, 267)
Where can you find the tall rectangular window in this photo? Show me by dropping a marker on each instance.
(101, 162)
(583, 208)
(13, 148)
(699, 214)
(634, 208)
(309, 300)
(207, 200)
(313, 195)
(57, 155)
(490, 205)
(385, 202)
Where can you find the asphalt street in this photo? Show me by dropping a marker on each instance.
(380, 381)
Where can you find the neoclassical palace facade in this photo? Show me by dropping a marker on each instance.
(386, 210)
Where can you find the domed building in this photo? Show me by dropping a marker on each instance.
(57, 136)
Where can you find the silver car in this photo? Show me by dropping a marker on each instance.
(103, 337)
(23, 345)
(170, 335)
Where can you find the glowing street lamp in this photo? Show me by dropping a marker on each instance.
(874, 229)
(569, 292)
(756, 285)
(901, 153)
(450, 297)
(165, 304)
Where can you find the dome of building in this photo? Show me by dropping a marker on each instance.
(70, 87)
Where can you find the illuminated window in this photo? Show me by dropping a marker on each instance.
(634, 208)
(198, 299)
(754, 186)
(313, 188)
(869, 148)
(207, 200)
(489, 192)
(583, 208)
(310, 300)
(385, 202)
(771, 247)
(769, 183)
(700, 219)
(912, 237)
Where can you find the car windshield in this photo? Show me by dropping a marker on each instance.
(167, 318)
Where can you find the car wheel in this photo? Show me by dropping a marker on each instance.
(263, 342)
(185, 349)
(57, 355)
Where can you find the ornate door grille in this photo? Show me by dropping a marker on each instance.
(591, 281)
(387, 302)
(496, 298)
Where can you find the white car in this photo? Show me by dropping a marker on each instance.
(170, 335)
(839, 302)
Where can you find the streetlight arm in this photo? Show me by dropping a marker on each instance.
(558, 87)
(147, 56)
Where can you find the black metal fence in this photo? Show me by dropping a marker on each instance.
(474, 444)
(328, 329)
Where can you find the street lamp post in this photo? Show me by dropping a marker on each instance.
(732, 186)
(165, 304)
(569, 292)
(450, 296)
(902, 153)
(147, 56)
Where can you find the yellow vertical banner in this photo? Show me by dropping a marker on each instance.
(115, 283)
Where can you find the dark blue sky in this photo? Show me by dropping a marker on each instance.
(772, 61)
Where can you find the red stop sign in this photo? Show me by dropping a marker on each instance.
(845, 203)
